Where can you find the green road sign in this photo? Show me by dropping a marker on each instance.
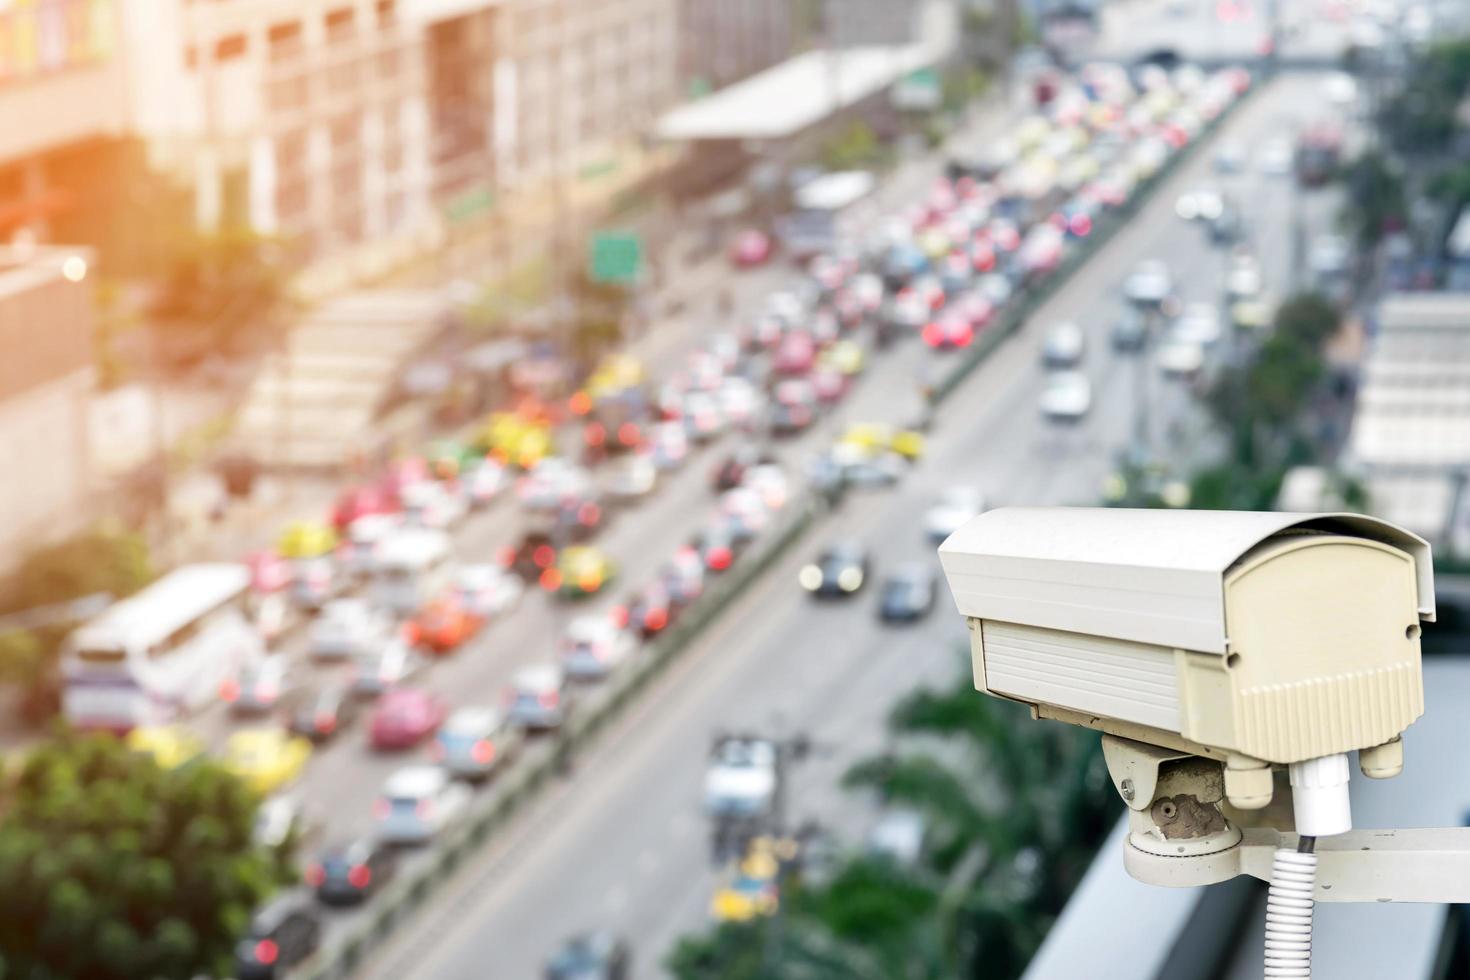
(469, 204)
(616, 256)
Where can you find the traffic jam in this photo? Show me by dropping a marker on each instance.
(335, 632)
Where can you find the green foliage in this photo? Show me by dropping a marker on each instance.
(104, 559)
(115, 868)
(1375, 198)
(221, 292)
(1015, 811)
(1421, 117)
(856, 147)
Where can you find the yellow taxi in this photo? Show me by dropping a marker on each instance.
(874, 437)
(752, 888)
(616, 372)
(266, 759)
(306, 539)
(845, 357)
(171, 746)
(515, 439)
(579, 571)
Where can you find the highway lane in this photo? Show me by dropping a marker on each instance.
(622, 844)
(344, 777)
(1207, 30)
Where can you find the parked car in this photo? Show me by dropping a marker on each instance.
(1066, 396)
(417, 803)
(1064, 346)
(405, 717)
(351, 873)
(281, 935)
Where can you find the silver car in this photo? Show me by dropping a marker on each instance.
(536, 697)
(417, 803)
(348, 628)
(475, 742)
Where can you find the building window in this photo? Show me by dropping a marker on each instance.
(283, 40)
(339, 24)
(229, 48)
(387, 12)
(345, 130)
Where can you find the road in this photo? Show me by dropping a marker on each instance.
(344, 777)
(621, 843)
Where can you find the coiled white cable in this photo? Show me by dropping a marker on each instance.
(1289, 913)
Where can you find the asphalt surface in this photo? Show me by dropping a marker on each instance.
(621, 843)
(345, 776)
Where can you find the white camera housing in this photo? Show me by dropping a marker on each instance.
(1251, 638)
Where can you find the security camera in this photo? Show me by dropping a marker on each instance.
(1214, 649)
(1254, 639)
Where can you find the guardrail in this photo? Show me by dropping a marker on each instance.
(541, 763)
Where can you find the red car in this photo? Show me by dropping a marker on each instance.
(404, 717)
(751, 248)
(359, 502)
(796, 354)
(951, 329)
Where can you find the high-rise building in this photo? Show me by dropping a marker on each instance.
(351, 129)
(723, 41)
(61, 91)
(46, 377)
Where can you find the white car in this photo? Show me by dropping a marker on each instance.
(771, 482)
(417, 803)
(739, 401)
(742, 777)
(487, 591)
(1200, 323)
(668, 445)
(704, 419)
(552, 481)
(1064, 346)
(955, 507)
(536, 696)
(746, 512)
(483, 481)
(1066, 396)
(1275, 157)
(1149, 284)
(430, 504)
(348, 628)
(630, 477)
(1180, 357)
(1243, 281)
(594, 646)
(377, 670)
(359, 553)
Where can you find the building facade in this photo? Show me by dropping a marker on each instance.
(46, 378)
(724, 41)
(61, 91)
(353, 128)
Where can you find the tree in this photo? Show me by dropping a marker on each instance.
(115, 868)
(102, 560)
(1375, 194)
(1015, 811)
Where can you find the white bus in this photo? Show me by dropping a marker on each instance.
(162, 653)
